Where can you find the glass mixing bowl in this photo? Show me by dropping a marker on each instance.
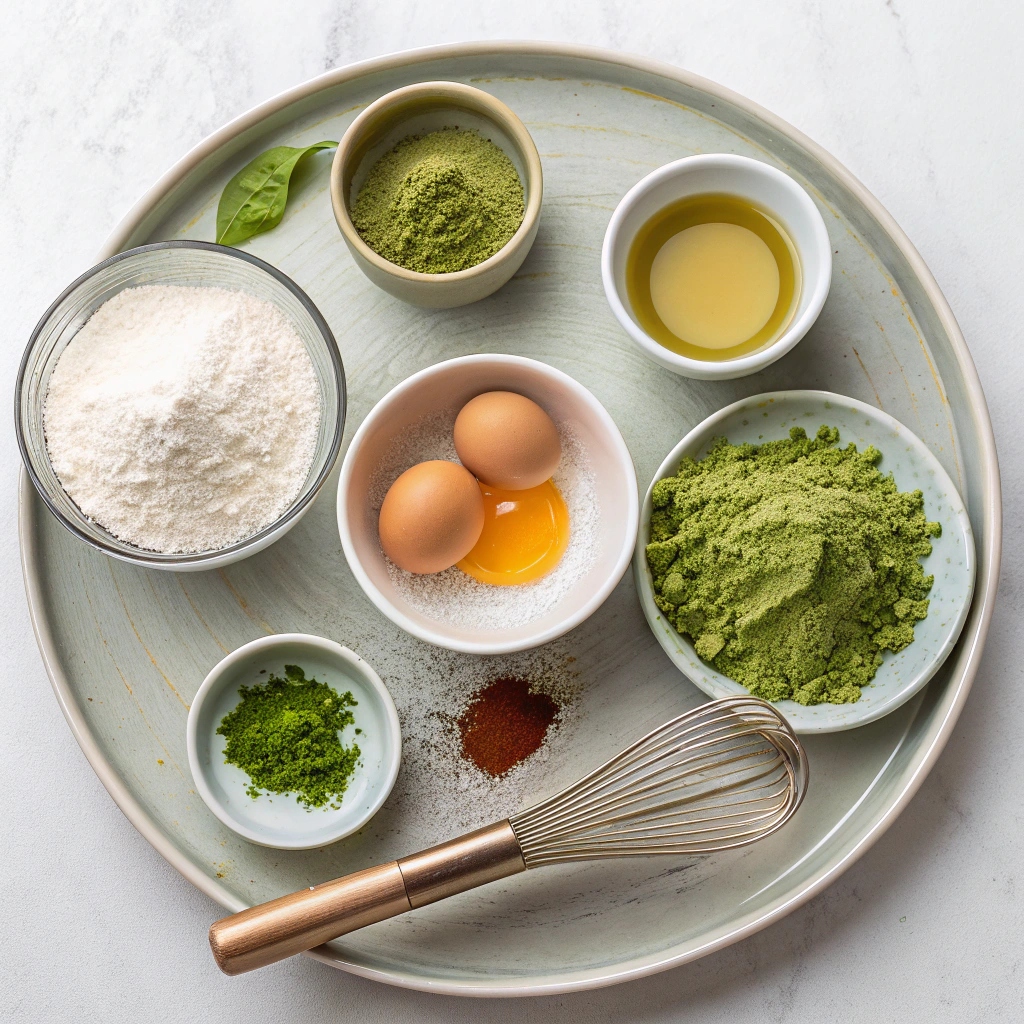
(182, 262)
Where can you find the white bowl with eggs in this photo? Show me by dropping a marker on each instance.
(770, 192)
(448, 387)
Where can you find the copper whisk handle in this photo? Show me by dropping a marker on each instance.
(283, 927)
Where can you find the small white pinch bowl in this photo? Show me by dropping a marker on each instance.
(763, 186)
(769, 417)
(449, 385)
(279, 820)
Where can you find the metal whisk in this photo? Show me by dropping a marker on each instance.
(724, 775)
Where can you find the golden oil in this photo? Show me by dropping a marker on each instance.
(713, 277)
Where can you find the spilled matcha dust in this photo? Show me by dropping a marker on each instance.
(791, 565)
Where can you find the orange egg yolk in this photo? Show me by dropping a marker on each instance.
(525, 535)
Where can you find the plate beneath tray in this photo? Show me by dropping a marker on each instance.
(126, 648)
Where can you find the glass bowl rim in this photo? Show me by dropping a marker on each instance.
(160, 559)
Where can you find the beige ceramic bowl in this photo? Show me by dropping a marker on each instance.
(417, 110)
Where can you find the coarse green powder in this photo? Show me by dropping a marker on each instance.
(440, 203)
(284, 736)
(791, 565)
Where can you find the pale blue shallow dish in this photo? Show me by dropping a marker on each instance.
(279, 820)
(769, 417)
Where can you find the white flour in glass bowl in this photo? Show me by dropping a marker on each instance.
(183, 419)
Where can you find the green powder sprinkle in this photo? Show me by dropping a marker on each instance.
(791, 565)
(440, 203)
(284, 736)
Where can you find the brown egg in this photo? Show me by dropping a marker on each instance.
(507, 440)
(432, 517)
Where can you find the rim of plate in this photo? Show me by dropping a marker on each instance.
(704, 431)
(975, 631)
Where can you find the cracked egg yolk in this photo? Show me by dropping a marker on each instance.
(524, 537)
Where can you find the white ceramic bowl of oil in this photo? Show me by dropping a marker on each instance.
(446, 387)
(768, 191)
(279, 820)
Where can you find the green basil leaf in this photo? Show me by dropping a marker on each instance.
(253, 201)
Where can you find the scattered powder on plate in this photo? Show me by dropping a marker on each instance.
(506, 722)
(452, 596)
(440, 793)
(183, 419)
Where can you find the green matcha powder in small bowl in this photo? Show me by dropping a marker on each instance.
(293, 741)
(437, 190)
(440, 203)
(808, 549)
(285, 735)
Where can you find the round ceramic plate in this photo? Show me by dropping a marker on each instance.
(769, 417)
(127, 648)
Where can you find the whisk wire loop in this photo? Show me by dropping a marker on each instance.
(593, 810)
(721, 776)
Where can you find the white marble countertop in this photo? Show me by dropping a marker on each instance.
(919, 98)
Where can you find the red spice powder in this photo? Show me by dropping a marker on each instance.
(504, 724)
